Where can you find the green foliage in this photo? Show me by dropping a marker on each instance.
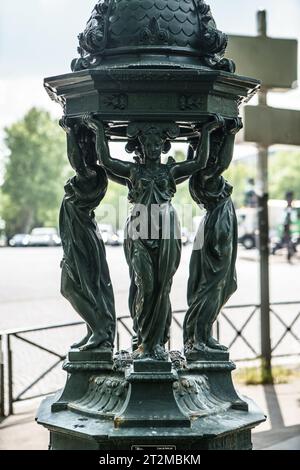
(285, 174)
(259, 376)
(182, 195)
(238, 175)
(113, 209)
(35, 172)
(184, 204)
(3, 202)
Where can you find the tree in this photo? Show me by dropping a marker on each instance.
(116, 199)
(35, 172)
(237, 175)
(285, 174)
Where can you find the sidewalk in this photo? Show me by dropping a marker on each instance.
(279, 258)
(280, 432)
(281, 404)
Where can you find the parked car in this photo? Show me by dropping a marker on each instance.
(248, 224)
(247, 227)
(109, 236)
(44, 236)
(20, 239)
(3, 238)
(121, 236)
(185, 236)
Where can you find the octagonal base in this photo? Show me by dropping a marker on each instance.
(230, 430)
(164, 405)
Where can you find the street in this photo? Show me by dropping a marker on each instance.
(30, 284)
(30, 297)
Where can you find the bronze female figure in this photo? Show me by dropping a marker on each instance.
(212, 277)
(85, 278)
(153, 244)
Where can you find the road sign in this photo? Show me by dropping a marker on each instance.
(270, 126)
(273, 61)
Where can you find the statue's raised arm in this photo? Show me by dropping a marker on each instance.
(75, 156)
(118, 167)
(233, 126)
(185, 169)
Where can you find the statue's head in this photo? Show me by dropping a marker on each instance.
(151, 139)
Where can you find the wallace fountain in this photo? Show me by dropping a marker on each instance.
(150, 73)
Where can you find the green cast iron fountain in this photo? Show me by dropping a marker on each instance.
(150, 73)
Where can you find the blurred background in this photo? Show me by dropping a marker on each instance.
(261, 324)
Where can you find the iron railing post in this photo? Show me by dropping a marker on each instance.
(10, 376)
(2, 386)
(218, 330)
(118, 339)
(263, 224)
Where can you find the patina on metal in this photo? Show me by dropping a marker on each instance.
(212, 269)
(150, 73)
(85, 279)
(152, 31)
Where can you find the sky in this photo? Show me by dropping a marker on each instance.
(38, 38)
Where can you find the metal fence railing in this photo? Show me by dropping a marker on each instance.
(237, 327)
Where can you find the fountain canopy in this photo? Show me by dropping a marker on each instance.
(143, 32)
(151, 60)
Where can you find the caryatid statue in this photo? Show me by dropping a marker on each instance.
(85, 280)
(212, 278)
(153, 235)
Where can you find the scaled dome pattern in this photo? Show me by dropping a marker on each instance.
(163, 32)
